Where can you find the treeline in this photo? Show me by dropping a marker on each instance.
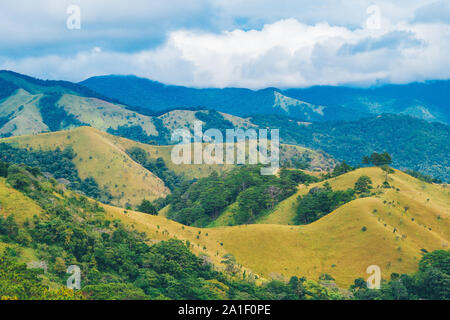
(413, 143)
(431, 282)
(56, 162)
(423, 177)
(320, 201)
(202, 202)
(157, 166)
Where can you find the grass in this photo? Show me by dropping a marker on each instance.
(103, 115)
(335, 244)
(13, 202)
(102, 159)
(26, 117)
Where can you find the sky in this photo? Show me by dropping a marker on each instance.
(229, 43)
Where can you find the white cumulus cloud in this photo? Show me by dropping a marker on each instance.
(286, 53)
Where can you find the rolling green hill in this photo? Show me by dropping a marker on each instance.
(104, 157)
(334, 244)
(30, 106)
(375, 230)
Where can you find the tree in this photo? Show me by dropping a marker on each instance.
(379, 159)
(147, 207)
(366, 160)
(3, 169)
(363, 184)
(341, 168)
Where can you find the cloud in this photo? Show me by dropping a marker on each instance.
(262, 49)
(438, 11)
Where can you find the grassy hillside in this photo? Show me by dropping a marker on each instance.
(104, 157)
(30, 106)
(101, 158)
(21, 114)
(14, 202)
(335, 244)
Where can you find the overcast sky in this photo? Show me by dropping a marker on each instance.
(220, 43)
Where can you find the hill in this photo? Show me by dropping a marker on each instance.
(105, 158)
(413, 143)
(155, 96)
(427, 100)
(336, 243)
(30, 106)
(97, 156)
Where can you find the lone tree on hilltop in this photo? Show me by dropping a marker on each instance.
(378, 159)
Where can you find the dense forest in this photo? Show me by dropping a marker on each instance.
(413, 143)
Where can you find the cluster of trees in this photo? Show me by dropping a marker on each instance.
(116, 262)
(57, 162)
(136, 133)
(202, 202)
(319, 202)
(147, 207)
(214, 120)
(431, 281)
(54, 116)
(341, 168)
(423, 177)
(157, 166)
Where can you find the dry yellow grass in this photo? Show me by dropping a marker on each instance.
(102, 159)
(334, 244)
(16, 203)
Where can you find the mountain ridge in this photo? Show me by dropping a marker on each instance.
(426, 100)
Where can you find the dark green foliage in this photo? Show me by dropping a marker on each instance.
(341, 168)
(6, 89)
(431, 281)
(55, 117)
(406, 139)
(214, 120)
(147, 207)
(3, 169)
(202, 202)
(363, 184)
(298, 176)
(114, 291)
(423, 177)
(163, 136)
(319, 202)
(157, 167)
(131, 132)
(57, 162)
(378, 159)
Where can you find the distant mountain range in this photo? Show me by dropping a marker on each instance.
(32, 106)
(428, 100)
